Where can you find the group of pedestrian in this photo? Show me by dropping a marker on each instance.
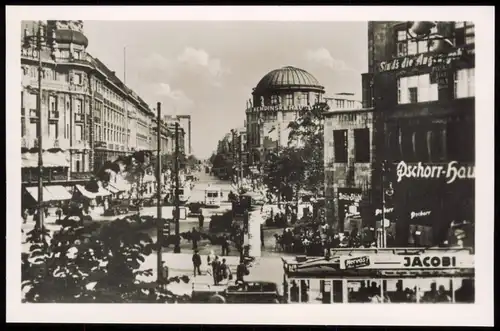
(218, 269)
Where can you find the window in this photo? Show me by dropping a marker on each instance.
(77, 165)
(393, 144)
(460, 140)
(420, 145)
(413, 94)
(53, 131)
(414, 89)
(78, 132)
(435, 143)
(77, 55)
(78, 109)
(32, 101)
(33, 129)
(340, 145)
(407, 144)
(64, 54)
(362, 145)
(289, 99)
(305, 98)
(464, 83)
(23, 127)
(52, 103)
(407, 45)
(464, 33)
(77, 79)
(274, 99)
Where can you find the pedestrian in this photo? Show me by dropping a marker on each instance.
(210, 260)
(196, 262)
(225, 271)
(225, 246)
(195, 237)
(241, 271)
(201, 220)
(262, 235)
(59, 212)
(25, 215)
(216, 270)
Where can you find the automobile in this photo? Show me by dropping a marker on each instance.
(246, 292)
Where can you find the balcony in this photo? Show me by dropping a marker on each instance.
(31, 177)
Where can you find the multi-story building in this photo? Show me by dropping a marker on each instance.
(86, 110)
(420, 83)
(66, 103)
(277, 100)
(348, 150)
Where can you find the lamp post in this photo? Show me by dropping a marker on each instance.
(159, 222)
(386, 192)
(38, 40)
(177, 248)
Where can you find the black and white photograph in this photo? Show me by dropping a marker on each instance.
(288, 156)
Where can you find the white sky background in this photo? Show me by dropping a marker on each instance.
(208, 68)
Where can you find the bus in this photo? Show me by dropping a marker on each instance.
(381, 275)
(213, 197)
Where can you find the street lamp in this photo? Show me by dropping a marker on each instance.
(38, 39)
(386, 192)
(177, 248)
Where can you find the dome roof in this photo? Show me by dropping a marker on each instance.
(71, 37)
(288, 78)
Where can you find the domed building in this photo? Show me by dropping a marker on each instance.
(275, 102)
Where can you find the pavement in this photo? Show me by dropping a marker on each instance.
(263, 269)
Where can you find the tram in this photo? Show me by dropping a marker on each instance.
(381, 275)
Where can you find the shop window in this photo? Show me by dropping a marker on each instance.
(362, 145)
(464, 83)
(340, 145)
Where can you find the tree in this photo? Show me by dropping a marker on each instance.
(102, 265)
(307, 134)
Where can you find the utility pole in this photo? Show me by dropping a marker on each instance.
(159, 222)
(177, 248)
(40, 220)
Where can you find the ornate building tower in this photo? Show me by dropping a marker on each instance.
(276, 101)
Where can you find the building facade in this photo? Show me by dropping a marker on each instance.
(276, 101)
(348, 156)
(86, 110)
(421, 86)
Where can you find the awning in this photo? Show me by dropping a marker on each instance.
(47, 196)
(58, 159)
(91, 195)
(59, 192)
(85, 193)
(112, 189)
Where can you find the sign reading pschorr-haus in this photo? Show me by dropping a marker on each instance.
(451, 171)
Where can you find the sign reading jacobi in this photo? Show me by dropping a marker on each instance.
(451, 171)
(423, 261)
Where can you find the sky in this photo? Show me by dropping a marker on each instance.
(208, 68)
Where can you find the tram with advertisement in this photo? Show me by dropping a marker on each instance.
(376, 275)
